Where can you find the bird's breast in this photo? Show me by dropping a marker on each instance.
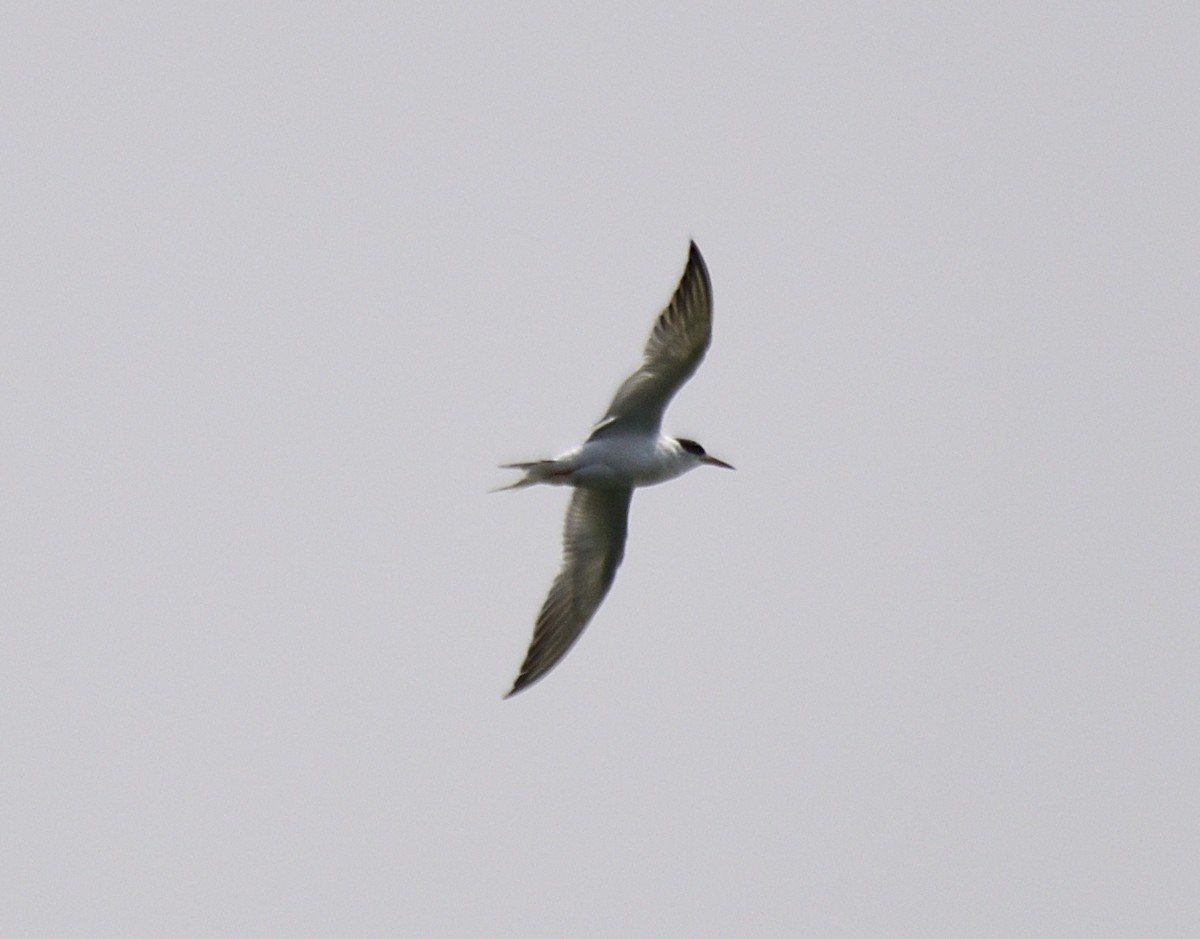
(627, 461)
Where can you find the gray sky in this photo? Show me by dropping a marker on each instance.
(284, 282)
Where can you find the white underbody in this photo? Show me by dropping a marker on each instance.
(623, 460)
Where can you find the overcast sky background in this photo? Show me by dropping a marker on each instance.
(284, 282)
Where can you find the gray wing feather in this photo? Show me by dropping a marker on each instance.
(674, 351)
(593, 545)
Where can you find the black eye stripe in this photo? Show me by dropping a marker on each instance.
(691, 446)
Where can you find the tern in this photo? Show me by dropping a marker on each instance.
(624, 450)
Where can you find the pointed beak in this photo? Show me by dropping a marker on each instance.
(713, 461)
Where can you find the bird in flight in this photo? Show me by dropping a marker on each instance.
(625, 450)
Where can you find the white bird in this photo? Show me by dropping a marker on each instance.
(625, 450)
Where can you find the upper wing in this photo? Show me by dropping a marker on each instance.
(593, 545)
(676, 347)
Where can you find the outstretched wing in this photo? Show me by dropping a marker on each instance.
(593, 545)
(676, 347)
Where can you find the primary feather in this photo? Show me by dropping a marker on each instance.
(676, 347)
(593, 545)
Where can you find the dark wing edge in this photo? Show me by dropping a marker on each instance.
(593, 546)
(676, 347)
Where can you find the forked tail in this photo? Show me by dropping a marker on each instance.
(539, 471)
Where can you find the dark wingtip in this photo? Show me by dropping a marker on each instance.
(530, 675)
(696, 262)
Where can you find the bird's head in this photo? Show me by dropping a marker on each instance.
(699, 455)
